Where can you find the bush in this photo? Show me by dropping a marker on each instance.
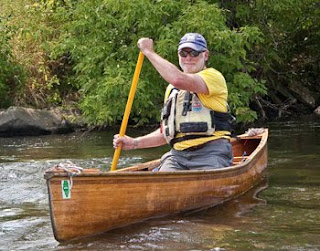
(289, 55)
(88, 48)
(10, 72)
(101, 38)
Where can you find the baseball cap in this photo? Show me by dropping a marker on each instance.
(194, 41)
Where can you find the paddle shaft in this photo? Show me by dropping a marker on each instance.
(128, 109)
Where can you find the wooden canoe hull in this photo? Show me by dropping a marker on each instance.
(103, 201)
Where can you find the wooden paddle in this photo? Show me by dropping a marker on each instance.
(128, 109)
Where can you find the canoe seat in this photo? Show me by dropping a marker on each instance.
(237, 160)
(241, 157)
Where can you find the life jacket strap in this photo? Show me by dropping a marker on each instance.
(188, 137)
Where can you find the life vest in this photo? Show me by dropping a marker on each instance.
(184, 113)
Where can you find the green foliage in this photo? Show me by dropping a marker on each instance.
(10, 72)
(291, 48)
(242, 93)
(32, 26)
(101, 38)
(88, 48)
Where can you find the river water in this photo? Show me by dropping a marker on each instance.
(281, 213)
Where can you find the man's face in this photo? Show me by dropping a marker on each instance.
(192, 61)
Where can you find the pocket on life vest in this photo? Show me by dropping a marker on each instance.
(187, 127)
(166, 110)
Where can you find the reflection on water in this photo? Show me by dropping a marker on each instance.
(284, 216)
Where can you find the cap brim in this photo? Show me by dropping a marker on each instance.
(192, 46)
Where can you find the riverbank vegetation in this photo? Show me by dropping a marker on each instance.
(82, 54)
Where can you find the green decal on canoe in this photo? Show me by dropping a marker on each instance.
(66, 191)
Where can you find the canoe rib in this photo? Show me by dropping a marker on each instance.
(101, 201)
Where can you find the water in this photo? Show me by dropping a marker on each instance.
(285, 216)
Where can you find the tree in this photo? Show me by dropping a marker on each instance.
(101, 36)
(11, 75)
(289, 57)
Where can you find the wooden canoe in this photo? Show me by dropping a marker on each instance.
(100, 201)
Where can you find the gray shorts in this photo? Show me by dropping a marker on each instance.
(214, 154)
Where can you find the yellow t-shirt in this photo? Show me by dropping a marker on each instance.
(215, 100)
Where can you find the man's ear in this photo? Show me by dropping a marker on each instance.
(206, 55)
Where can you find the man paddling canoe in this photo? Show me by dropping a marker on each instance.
(195, 120)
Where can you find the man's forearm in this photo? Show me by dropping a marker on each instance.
(167, 70)
(150, 140)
